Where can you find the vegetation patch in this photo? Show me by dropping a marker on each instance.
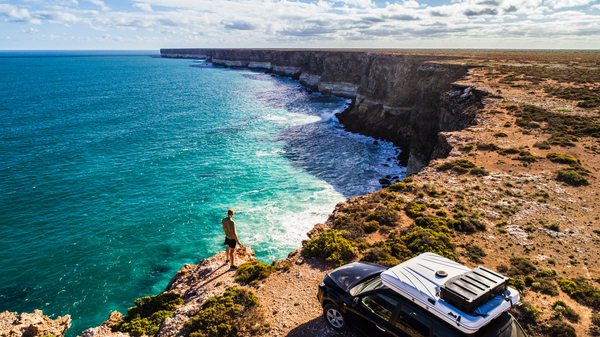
(506, 151)
(371, 226)
(588, 97)
(526, 156)
(398, 187)
(500, 134)
(458, 165)
(545, 286)
(561, 309)
(331, 246)
(474, 253)
(236, 312)
(414, 209)
(563, 158)
(148, 313)
(479, 171)
(521, 266)
(581, 291)
(251, 272)
(561, 329)
(570, 176)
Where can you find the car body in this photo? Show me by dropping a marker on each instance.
(354, 295)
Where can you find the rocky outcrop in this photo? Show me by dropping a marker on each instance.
(406, 99)
(31, 325)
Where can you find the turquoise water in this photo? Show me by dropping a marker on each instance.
(116, 168)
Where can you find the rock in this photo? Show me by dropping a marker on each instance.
(384, 182)
(318, 228)
(31, 325)
(102, 331)
(173, 327)
(112, 321)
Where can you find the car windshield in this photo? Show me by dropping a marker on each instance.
(370, 284)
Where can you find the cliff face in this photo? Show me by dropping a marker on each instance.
(406, 99)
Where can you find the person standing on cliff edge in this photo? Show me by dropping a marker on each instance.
(231, 238)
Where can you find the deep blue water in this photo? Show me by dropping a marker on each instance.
(116, 168)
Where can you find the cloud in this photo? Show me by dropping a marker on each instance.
(403, 17)
(15, 13)
(100, 4)
(567, 3)
(511, 9)
(437, 13)
(489, 3)
(143, 6)
(410, 4)
(30, 30)
(485, 11)
(239, 25)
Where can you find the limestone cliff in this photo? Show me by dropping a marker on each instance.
(32, 325)
(406, 99)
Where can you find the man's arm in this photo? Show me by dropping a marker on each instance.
(235, 234)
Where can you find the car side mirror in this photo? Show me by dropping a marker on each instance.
(355, 302)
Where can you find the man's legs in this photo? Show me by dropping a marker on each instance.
(227, 253)
(231, 256)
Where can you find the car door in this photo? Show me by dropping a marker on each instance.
(412, 322)
(373, 313)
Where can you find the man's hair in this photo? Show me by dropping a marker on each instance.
(230, 212)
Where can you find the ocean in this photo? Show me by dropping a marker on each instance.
(117, 167)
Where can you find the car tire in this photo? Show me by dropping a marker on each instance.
(334, 317)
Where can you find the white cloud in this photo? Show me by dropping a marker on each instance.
(143, 6)
(567, 3)
(30, 30)
(410, 4)
(100, 4)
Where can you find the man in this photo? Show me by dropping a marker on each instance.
(230, 238)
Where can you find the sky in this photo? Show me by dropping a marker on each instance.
(155, 24)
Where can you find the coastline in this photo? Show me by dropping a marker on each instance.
(516, 195)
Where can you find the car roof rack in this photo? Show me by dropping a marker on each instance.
(465, 298)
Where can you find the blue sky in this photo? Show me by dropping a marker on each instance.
(154, 24)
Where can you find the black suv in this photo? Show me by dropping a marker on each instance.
(355, 295)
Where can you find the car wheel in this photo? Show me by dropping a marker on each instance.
(334, 317)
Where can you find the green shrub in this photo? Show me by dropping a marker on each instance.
(528, 280)
(421, 240)
(517, 283)
(385, 216)
(545, 286)
(561, 329)
(148, 313)
(546, 272)
(521, 266)
(382, 256)
(500, 134)
(474, 253)
(479, 171)
(554, 226)
(526, 156)
(459, 165)
(596, 320)
(581, 291)
(542, 145)
(226, 316)
(331, 246)
(487, 146)
(506, 151)
(441, 212)
(250, 272)
(414, 209)
(371, 226)
(570, 176)
(532, 312)
(563, 158)
(561, 309)
(403, 186)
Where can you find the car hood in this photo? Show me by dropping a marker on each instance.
(351, 274)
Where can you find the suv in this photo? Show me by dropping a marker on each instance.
(426, 296)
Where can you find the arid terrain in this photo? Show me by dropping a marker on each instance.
(518, 193)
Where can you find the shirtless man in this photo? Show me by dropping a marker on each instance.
(230, 238)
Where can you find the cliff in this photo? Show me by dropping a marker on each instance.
(34, 324)
(406, 99)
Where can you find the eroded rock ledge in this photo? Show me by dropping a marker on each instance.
(406, 99)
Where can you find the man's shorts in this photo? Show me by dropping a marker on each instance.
(230, 242)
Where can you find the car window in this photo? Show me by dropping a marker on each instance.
(366, 286)
(413, 323)
(379, 304)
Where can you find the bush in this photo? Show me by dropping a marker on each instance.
(528, 280)
(517, 283)
(521, 266)
(421, 240)
(532, 313)
(414, 209)
(561, 309)
(371, 226)
(570, 176)
(331, 246)
(385, 216)
(225, 316)
(554, 226)
(397, 187)
(459, 165)
(479, 171)
(474, 253)
(500, 134)
(561, 329)
(250, 272)
(148, 313)
(563, 158)
(596, 320)
(581, 292)
(542, 145)
(382, 256)
(545, 286)
(546, 272)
